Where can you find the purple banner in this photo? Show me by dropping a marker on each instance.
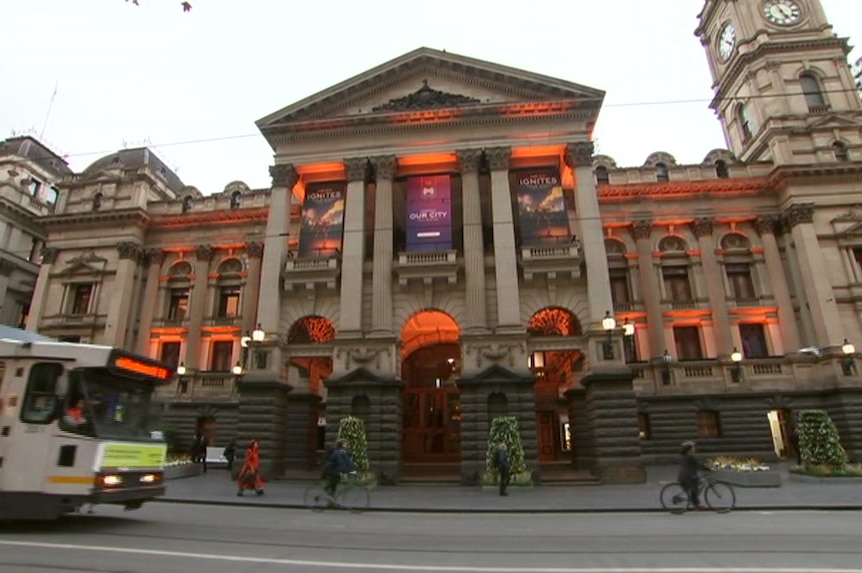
(541, 207)
(429, 213)
(322, 220)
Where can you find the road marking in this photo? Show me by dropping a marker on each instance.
(390, 567)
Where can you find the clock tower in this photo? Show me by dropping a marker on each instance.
(783, 88)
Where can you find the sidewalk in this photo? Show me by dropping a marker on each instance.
(215, 488)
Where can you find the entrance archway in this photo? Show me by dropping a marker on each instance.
(431, 362)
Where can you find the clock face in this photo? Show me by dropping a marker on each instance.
(782, 12)
(726, 42)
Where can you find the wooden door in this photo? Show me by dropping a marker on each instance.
(432, 425)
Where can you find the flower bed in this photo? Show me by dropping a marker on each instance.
(747, 472)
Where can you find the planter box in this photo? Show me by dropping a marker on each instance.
(181, 471)
(748, 479)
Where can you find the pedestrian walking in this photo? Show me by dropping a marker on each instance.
(503, 464)
(230, 454)
(249, 476)
(199, 450)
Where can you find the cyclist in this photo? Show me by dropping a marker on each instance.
(688, 476)
(337, 462)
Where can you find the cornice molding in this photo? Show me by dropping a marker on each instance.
(96, 218)
(205, 218)
(681, 189)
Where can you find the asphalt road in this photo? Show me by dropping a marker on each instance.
(176, 538)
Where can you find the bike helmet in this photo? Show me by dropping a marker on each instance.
(688, 444)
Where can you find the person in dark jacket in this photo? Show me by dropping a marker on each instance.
(337, 462)
(688, 476)
(230, 454)
(503, 463)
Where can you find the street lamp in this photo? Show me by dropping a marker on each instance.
(736, 371)
(247, 341)
(629, 337)
(848, 364)
(237, 369)
(182, 382)
(609, 324)
(666, 372)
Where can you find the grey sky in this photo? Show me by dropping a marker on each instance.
(152, 75)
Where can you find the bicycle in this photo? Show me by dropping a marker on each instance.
(718, 496)
(350, 495)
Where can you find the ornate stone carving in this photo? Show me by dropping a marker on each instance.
(204, 252)
(702, 227)
(765, 225)
(580, 153)
(800, 213)
(641, 230)
(469, 160)
(498, 157)
(357, 168)
(254, 250)
(426, 97)
(128, 250)
(363, 355)
(384, 166)
(7, 267)
(154, 256)
(495, 353)
(283, 175)
(49, 255)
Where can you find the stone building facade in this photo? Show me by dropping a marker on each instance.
(440, 246)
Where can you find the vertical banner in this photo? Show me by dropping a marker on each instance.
(541, 207)
(322, 220)
(429, 213)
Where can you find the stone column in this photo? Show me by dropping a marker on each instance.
(381, 302)
(579, 156)
(284, 177)
(48, 257)
(204, 255)
(505, 257)
(6, 270)
(641, 231)
(353, 248)
(154, 258)
(254, 251)
(118, 307)
(474, 250)
(765, 227)
(819, 294)
(702, 229)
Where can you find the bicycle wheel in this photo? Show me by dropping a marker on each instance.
(720, 497)
(316, 498)
(354, 498)
(674, 498)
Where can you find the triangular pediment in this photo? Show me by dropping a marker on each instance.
(360, 377)
(834, 120)
(427, 79)
(498, 374)
(86, 263)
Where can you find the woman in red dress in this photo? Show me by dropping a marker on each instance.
(249, 475)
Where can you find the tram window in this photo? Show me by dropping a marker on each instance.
(41, 397)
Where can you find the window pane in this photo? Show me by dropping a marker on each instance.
(170, 353)
(753, 341)
(178, 307)
(687, 340)
(221, 356)
(40, 399)
(81, 298)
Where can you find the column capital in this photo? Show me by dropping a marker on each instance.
(49, 255)
(357, 168)
(469, 160)
(283, 175)
(254, 249)
(579, 154)
(798, 213)
(384, 166)
(498, 157)
(765, 225)
(128, 250)
(154, 256)
(641, 230)
(204, 253)
(702, 227)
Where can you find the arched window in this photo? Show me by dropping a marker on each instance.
(744, 122)
(235, 200)
(721, 169)
(187, 203)
(812, 92)
(840, 151)
(661, 172)
(602, 177)
(97, 201)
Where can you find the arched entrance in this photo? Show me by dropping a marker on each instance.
(306, 374)
(431, 362)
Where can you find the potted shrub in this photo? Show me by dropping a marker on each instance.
(352, 429)
(505, 429)
(823, 457)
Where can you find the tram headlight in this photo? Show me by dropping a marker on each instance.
(151, 479)
(111, 480)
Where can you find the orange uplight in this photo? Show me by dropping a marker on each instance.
(427, 159)
(139, 367)
(537, 151)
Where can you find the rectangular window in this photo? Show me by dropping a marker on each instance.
(753, 341)
(35, 245)
(644, 430)
(708, 424)
(228, 302)
(687, 340)
(620, 293)
(82, 295)
(23, 314)
(741, 283)
(676, 283)
(178, 304)
(35, 187)
(170, 353)
(222, 354)
(40, 401)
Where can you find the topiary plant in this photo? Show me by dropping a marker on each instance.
(505, 429)
(819, 442)
(352, 429)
